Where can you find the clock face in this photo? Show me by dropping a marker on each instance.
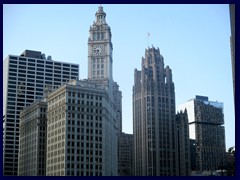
(98, 49)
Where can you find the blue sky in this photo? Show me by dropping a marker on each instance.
(193, 39)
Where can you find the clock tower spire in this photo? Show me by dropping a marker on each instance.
(100, 15)
(100, 49)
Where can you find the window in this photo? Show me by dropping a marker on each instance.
(49, 62)
(56, 67)
(31, 68)
(10, 86)
(11, 82)
(11, 57)
(75, 70)
(66, 69)
(14, 70)
(40, 73)
(58, 64)
(39, 61)
(39, 85)
(13, 66)
(23, 63)
(12, 74)
(74, 74)
(57, 75)
(64, 72)
(39, 69)
(94, 36)
(31, 64)
(56, 71)
(48, 74)
(47, 78)
(40, 65)
(74, 66)
(39, 77)
(50, 67)
(67, 65)
(38, 89)
(31, 72)
(31, 60)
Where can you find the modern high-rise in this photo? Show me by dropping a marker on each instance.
(183, 144)
(24, 80)
(82, 131)
(32, 140)
(125, 155)
(154, 123)
(206, 127)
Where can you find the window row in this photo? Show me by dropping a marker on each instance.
(88, 96)
(29, 60)
(47, 75)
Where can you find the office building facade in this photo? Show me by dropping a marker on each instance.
(206, 127)
(183, 144)
(125, 155)
(24, 80)
(193, 154)
(82, 131)
(154, 123)
(32, 140)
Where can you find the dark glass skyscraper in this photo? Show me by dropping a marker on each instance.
(154, 124)
(206, 128)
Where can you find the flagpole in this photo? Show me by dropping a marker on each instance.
(148, 38)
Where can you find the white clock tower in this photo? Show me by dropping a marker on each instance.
(100, 62)
(100, 49)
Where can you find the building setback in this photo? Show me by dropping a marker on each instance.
(32, 140)
(82, 131)
(206, 122)
(154, 123)
(24, 81)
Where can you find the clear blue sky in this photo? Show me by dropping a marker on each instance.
(193, 39)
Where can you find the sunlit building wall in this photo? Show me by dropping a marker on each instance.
(25, 78)
(82, 131)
